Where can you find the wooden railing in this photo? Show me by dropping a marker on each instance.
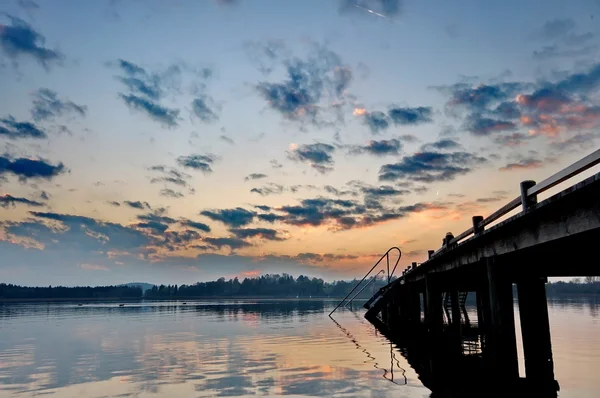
(529, 192)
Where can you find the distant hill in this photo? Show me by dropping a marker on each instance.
(143, 285)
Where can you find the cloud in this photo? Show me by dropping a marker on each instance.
(26, 168)
(262, 233)
(523, 164)
(153, 226)
(28, 5)
(337, 192)
(275, 164)
(47, 105)
(384, 190)
(318, 155)
(483, 126)
(93, 267)
(156, 216)
(255, 176)
(80, 233)
(557, 28)
(194, 224)
(411, 116)
(169, 193)
(379, 148)
(146, 89)
(377, 121)
(312, 84)
(204, 109)
(137, 204)
(376, 8)
(164, 115)
(8, 200)
(266, 54)
(14, 130)
(269, 189)
(171, 175)
(579, 141)
(442, 144)
(431, 166)
(197, 162)
(339, 214)
(227, 139)
(20, 40)
(232, 243)
(114, 203)
(237, 217)
(512, 140)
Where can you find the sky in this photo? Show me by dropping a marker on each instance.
(182, 141)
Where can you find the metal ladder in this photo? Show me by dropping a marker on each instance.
(389, 278)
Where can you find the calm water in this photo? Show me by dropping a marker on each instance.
(234, 348)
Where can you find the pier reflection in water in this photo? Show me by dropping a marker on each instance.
(205, 349)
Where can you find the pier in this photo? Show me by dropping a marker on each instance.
(487, 267)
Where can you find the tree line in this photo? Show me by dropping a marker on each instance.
(270, 285)
(9, 291)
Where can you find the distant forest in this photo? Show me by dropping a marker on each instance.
(284, 286)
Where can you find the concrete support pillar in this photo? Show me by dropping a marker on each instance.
(434, 317)
(535, 329)
(498, 313)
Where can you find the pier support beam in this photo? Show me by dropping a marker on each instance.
(535, 329)
(500, 349)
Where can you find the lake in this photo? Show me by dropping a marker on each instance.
(239, 348)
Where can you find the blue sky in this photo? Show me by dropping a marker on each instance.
(187, 140)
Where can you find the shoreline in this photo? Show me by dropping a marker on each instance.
(229, 298)
(184, 298)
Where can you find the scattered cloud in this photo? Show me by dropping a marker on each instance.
(20, 40)
(232, 243)
(255, 176)
(411, 116)
(379, 148)
(197, 162)
(441, 145)
(146, 89)
(195, 224)
(204, 108)
(169, 193)
(12, 129)
(270, 188)
(305, 96)
(170, 175)
(237, 217)
(262, 233)
(93, 267)
(47, 105)
(523, 164)
(431, 166)
(162, 114)
(318, 155)
(25, 168)
(8, 200)
(137, 204)
(227, 139)
(265, 55)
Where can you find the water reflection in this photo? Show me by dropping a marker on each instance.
(239, 348)
(229, 348)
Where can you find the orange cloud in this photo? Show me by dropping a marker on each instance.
(359, 112)
(93, 267)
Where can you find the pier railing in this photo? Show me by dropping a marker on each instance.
(528, 197)
(389, 277)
